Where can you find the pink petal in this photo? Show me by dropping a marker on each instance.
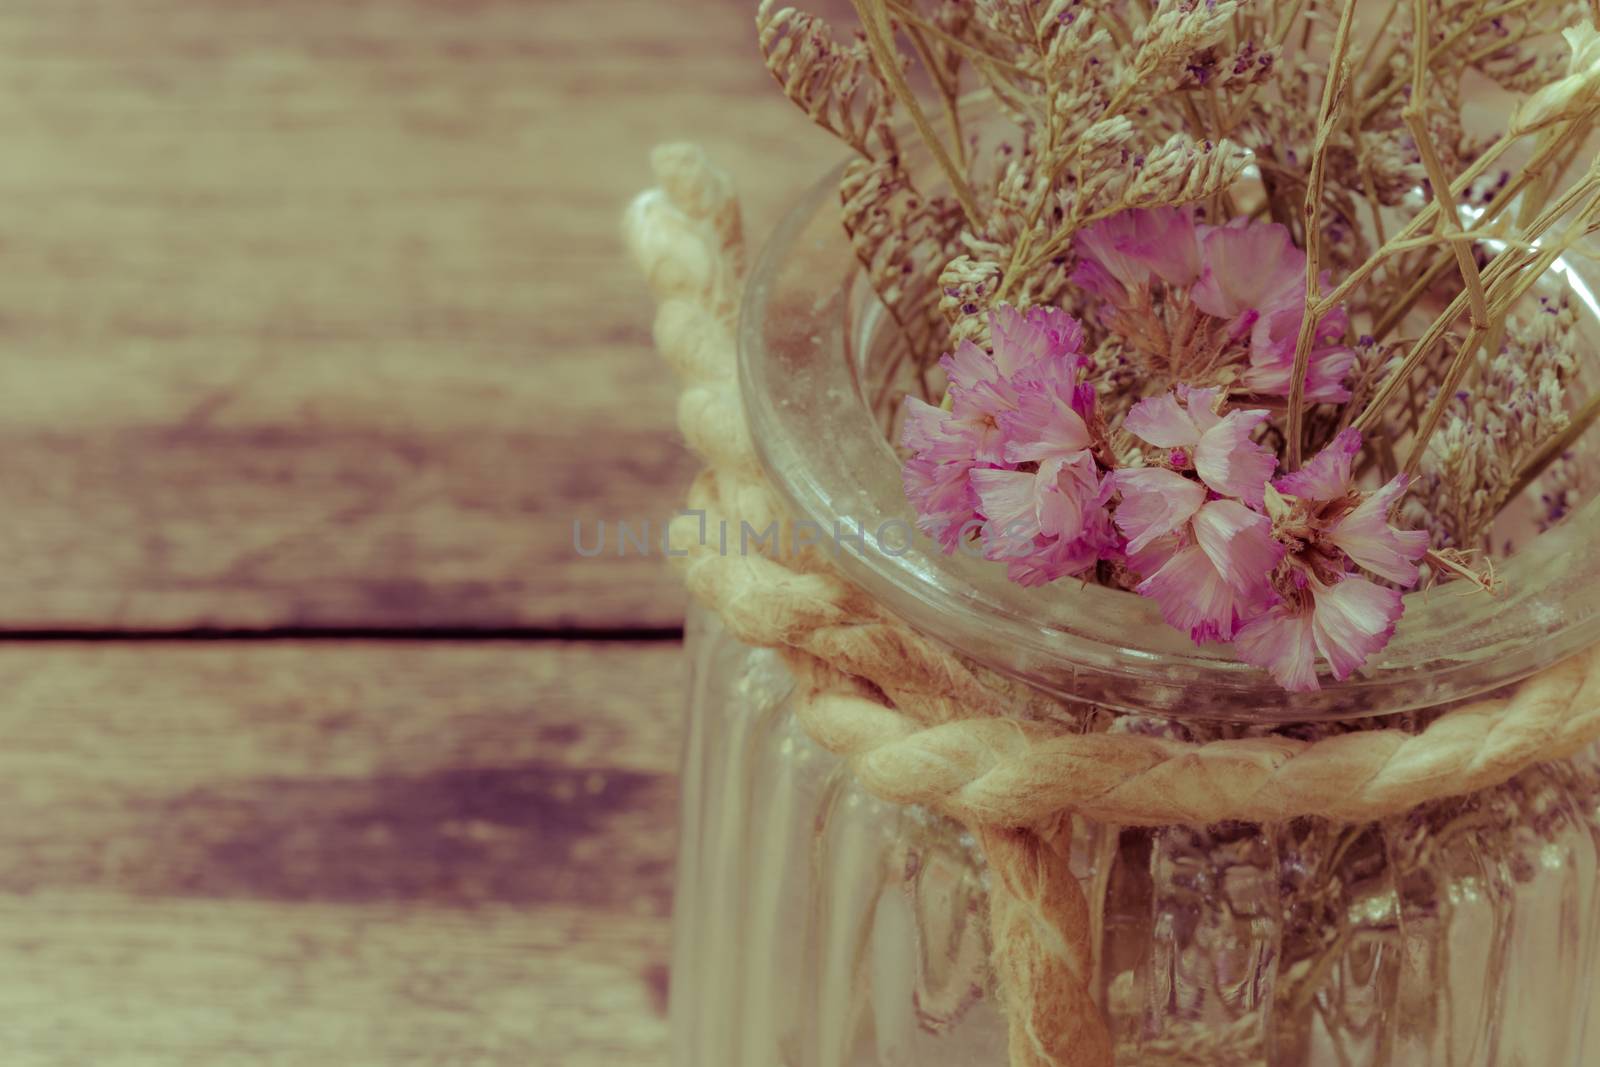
(1066, 491)
(1367, 538)
(1353, 619)
(1052, 559)
(1161, 422)
(1045, 424)
(1251, 267)
(1164, 239)
(967, 366)
(1193, 597)
(1281, 643)
(1137, 246)
(934, 433)
(1240, 545)
(1272, 344)
(1042, 335)
(1091, 277)
(1325, 377)
(1232, 464)
(1009, 501)
(1201, 404)
(923, 424)
(1331, 329)
(1155, 502)
(942, 495)
(1326, 476)
(978, 410)
(1151, 558)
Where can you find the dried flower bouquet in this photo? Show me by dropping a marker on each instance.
(1230, 304)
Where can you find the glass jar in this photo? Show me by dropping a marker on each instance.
(818, 927)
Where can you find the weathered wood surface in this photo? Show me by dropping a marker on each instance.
(316, 314)
(362, 855)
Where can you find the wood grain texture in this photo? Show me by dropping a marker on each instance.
(121, 982)
(316, 314)
(363, 855)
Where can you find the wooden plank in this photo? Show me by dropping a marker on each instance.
(127, 982)
(317, 314)
(358, 854)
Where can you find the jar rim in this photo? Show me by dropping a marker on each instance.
(830, 463)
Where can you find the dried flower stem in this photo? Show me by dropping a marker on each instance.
(909, 16)
(1573, 136)
(1019, 265)
(1449, 222)
(1507, 262)
(1517, 285)
(1497, 277)
(1332, 91)
(949, 93)
(1455, 562)
(1441, 400)
(1428, 216)
(1382, 92)
(880, 39)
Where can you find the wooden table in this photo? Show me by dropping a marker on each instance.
(322, 747)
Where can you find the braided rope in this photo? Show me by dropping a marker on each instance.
(921, 725)
(994, 770)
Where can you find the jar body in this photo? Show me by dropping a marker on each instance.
(817, 927)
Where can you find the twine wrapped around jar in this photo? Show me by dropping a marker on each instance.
(920, 724)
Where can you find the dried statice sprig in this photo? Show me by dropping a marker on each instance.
(902, 240)
(1178, 33)
(836, 85)
(1561, 488)
(1247, 65)
(966, 293)
(1183, 171)
(1493, 430)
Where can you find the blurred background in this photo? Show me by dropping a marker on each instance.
(320, 743)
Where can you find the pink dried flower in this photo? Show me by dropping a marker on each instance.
(1045, 524)
(1208, 560)
(1346, 622)
(1134, 249)
(1050, 421)
(1218, 447)
(1325, 509)
(1155, 502)
(1038, 336)
(1256, 279)
(941, 493)
(1249, 267)
(1218, 304)
(984, 387)
(1272, 343)
(1011, 460)
(1324, 608)
(1216, 576)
